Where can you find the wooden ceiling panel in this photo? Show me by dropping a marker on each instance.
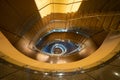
(115, 22)
(99, 24)
(111, 6)
(9, 19)
(107, 22)
(24, 8)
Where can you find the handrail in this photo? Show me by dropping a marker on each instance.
(89, 16)
(106, 51)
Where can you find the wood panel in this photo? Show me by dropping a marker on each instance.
(16, 17)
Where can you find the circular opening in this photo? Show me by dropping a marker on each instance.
(58, 49)
(61, 46)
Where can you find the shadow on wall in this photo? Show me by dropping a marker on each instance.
(92, 7)
(18, 22)
(17, 18)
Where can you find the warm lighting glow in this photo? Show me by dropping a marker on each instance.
(45, 11)
(46, 7)
(117, 74)
(41, 3)
(42, 57)
(61, 61)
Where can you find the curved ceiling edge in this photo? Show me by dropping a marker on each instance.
(9, 53)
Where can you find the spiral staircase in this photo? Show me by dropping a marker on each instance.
(59, 40)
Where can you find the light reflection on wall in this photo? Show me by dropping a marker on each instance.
(57, 6)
